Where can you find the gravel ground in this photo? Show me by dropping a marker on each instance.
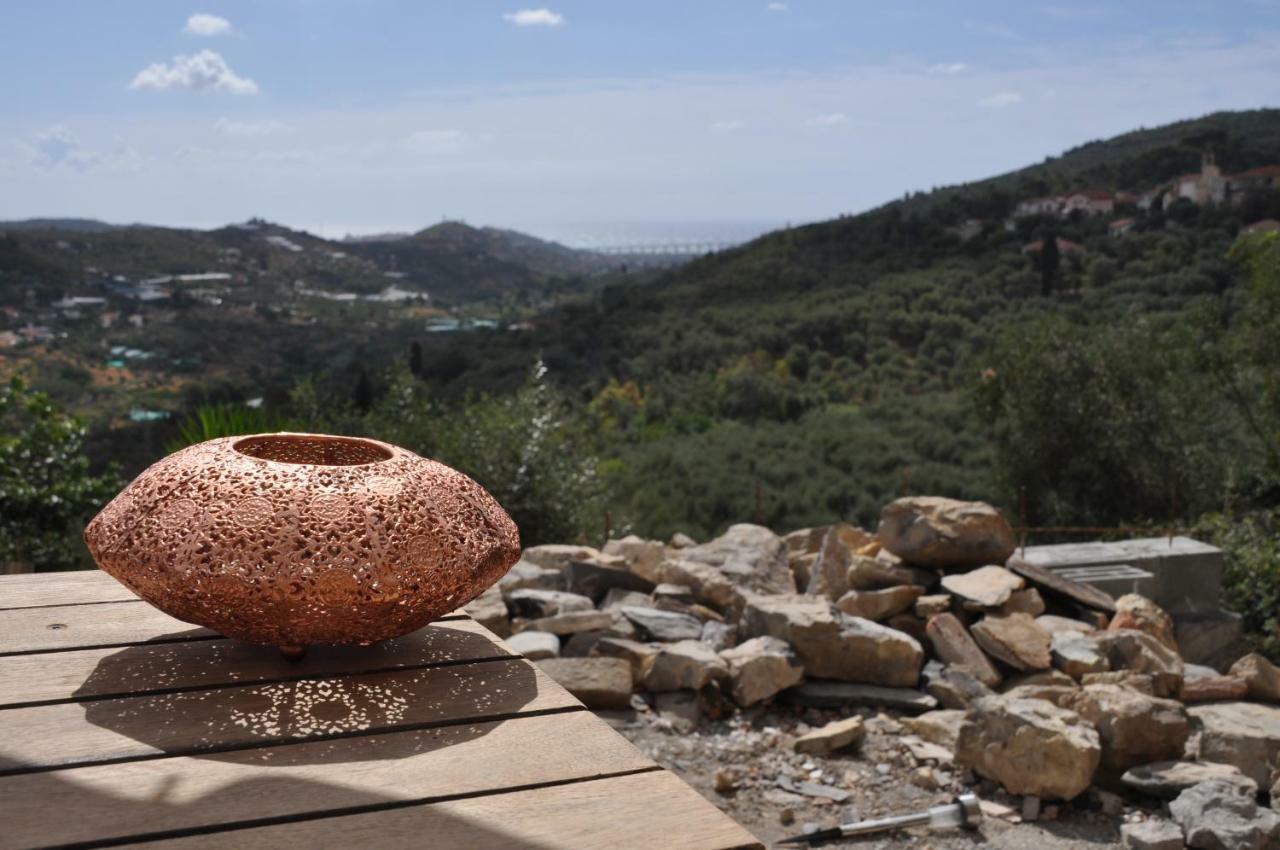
(736, 763)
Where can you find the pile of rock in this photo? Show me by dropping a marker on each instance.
(1045, 685)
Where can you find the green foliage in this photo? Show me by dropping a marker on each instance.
(1251, 581)
(47, 492)
(211, 421)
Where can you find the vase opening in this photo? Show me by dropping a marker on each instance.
(313, 450)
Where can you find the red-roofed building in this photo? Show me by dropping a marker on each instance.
(1266, 225)
(1121, 226)
(1089, 202)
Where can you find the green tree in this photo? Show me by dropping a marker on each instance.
(47, 493)
(1050, 259)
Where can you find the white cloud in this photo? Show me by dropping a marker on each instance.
(727, 126)
(831, 119)
(58, 148)
(207, 25)
(535, 18)
(948, 68)
(435, 141)
(777, 7)
(205, 70)
(228, 127)
(1000, 99)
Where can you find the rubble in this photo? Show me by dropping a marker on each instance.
(686, 664)
(1151, 835)
(535, 645)
(760, 668)
(1133, 728)
(1261, 677)
(937, 532)
(879, 605)
(1141, 614)
(1076, 654)
(989, 587)
(1014, 639)
(953, 645)
(1215, 814)
(598, 682)
(1168, 779)
(834, 736)
(658, 625)
(532, 603)
(820, 693)
(1243, 734)
(1129, 649)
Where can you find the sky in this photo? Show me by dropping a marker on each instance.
(590, 121)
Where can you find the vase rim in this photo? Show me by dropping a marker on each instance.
(320, 450)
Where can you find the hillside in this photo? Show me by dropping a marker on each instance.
(763, 380)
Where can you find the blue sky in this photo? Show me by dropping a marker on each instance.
(572, 117)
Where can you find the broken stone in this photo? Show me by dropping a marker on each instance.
(532, 604)
(579, 645)
(824, 693)
(923, 777)
(836, 735)
(930, 606)
(871, 573)
(1050, 685)
(1046, 580)
(640, 556)
(1076, 654)
(568, 624)
(760, 668)
(719, 636)
(908, 624)
(686, 664)
(1213, 689)
(535, 645)
(680, 540)
(988, 586)
(1134, 728)
(750, 557)
(1260, 675)
(1139, 613)
(528, 574)
(490, 611)
(955, 687)
(812, 789)
(833, 645)
(940, 727)
(680, 709)
(1053, 624)
(616, 597)
(830, 565)
(1029, 747)
(1014, 639)
(1026, 601)
(879, 605)
(556, 556)
(1243, 734)
(1151, 835)
(1214, 814)
(1129, 649)
(1168, 779)
(654, 624)
(937, 532)
(925, 751)
(675, 592)
(953, 645)
(597, 682)
(638, 655)
(594, 580)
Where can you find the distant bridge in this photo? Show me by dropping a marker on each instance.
(662, 249)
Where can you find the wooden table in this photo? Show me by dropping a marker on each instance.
(122, 726)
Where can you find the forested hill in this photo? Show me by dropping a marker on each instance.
(803, 376)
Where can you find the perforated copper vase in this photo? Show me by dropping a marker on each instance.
(298, 539)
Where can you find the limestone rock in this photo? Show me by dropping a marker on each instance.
(1139, 613)
(1076, 654)
(1014, 639)
(686, 664)
(908, 624)
(680, 540)
(1029, 747)
(833, 645)
(879, 605)
(490, 611)
(941, 727)
(750, 557)
(579, 645)
(641, 557)
(535, 645)
(1026, 601)
(1051, 685)
(836, 735)
(594, 580)
(1143, 683)
(1129, 649)
(616, 597)
(866, 573)
(637, 655)
(937, 532)
(930, 606)
(1244, 734)
(760, 668)
(532, 604)
(568, 624)
(829, 568)
(718, 636)
(654, 624)
(953, 645)
(1134, 728)
(826, 693)
(529, 574)
(1213, 689)
(989, 587)
(1053, 624)
(1151, 835)
(556, 556)
(1168, 779)
(597, 682)
(1261, 676)
(1215, 815)
(953, 686)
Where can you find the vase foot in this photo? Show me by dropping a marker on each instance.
(293, 653)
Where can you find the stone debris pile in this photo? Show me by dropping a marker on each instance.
(1005, 670)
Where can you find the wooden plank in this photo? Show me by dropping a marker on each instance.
(61, 627)
(175, 794)
(647, 810)
(81, 587)
(190, 722)
(150, 667)
(1086, 595)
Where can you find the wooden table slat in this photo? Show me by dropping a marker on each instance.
(188, 722)
(151, 667)
(81, 587)
(645, 810)
(61, 627)
(164, 795)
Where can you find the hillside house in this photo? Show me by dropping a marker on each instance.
(1089, 202)
(1266, 225)
(1255, 179)
(1048, 205)
(1121, 226)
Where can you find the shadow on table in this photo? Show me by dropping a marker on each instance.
(244, 703)
(45, 809)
